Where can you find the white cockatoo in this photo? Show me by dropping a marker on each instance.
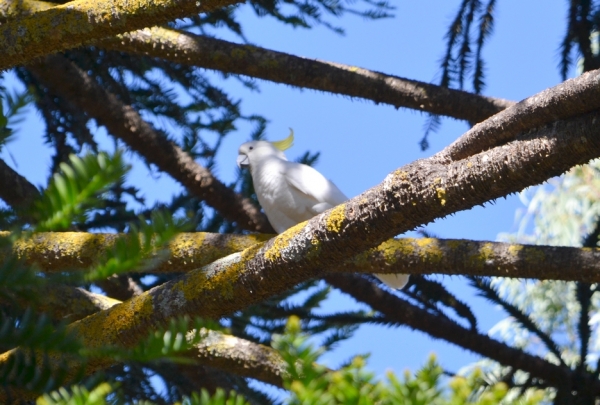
(290, 192)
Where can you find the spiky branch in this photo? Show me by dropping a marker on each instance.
(55, 252)
(31, 37)
(211, 53)
(399, 311)
(16, 190)
(568, 99)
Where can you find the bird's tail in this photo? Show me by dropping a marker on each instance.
(396, 281)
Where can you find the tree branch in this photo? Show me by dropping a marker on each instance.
(120, 287)
(183, 47)
(571, 98)
(31, 37)
(398, 310)
(56, 251)
(15, 189)
(52, 252)
(241, 357)
(66, 80)
(65, 303)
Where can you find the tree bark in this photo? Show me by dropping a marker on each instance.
(15, 189)
(28, 38)
(569, 99)
(54, 252)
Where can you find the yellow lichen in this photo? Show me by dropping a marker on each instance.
(441, 195)
(401, 174)
(282, 241)
(515, 250)
(221, 274)
(454, 244)
(429, 250)
(104, 327)
(392, 247)
(336, 218)
(486, 252)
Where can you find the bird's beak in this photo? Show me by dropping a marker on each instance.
(242, 161)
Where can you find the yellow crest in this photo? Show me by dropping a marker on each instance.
(286, 143)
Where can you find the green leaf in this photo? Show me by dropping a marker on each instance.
(77, 190)
(77, 395)
(142, 249)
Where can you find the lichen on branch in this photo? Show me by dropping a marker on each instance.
(36, 35)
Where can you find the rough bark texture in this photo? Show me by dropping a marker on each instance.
(30, 37)
(51, 252)
(217, 349)
(120, 287)
(569, 99)
(65, 303)
(408, 197)
(398, 310)
(211, 53)
(73, 85)
(241, 357)
(57, 251)
(466, 257)
(15, 189)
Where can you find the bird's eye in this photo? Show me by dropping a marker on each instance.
(251, 147)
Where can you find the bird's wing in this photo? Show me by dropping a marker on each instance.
(314, 185)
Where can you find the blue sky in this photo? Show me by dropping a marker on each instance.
(360, 142)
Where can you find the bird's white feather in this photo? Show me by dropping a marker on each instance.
(291, 192)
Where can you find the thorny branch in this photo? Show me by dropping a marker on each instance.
(52, 252)
(187, 48)
(15, 189)
(569, 99)
(81, 21)
(216, 349)
(211, 53)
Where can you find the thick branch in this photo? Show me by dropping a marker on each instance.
(120, 287)
(571, 98)
(30, 37)
(52, 252)
(241, 357)
(15, 189)
(401, 311)
(211, 53)
(70, 304)
(73, 85)
(60, 251)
